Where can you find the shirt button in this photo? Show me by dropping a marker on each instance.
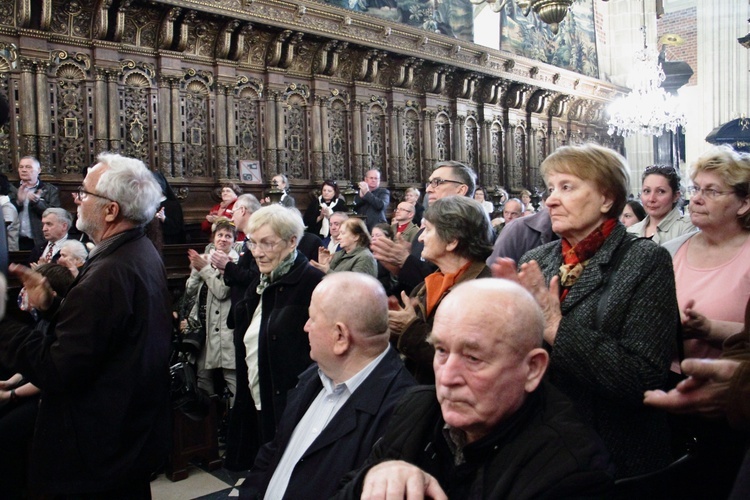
(216, 329)
(217, 312)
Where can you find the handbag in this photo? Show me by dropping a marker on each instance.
(184, 392)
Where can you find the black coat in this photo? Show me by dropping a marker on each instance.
(373, 206)
(283, 353)
(49, 196)
(313, 210)
(542, 451)
(346, 441)
(104, 373)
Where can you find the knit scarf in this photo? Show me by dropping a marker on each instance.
(438, 283)
(325, 226)
(281, 270)
(576, 257)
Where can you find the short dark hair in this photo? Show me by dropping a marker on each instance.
(464, 220)
(331, 183)
(387, 230)
(462, 172)
(668, 172)
(637, 208)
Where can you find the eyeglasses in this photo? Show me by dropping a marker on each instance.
(81, 194)
(263, 246)
(437, 181)
(709, 193)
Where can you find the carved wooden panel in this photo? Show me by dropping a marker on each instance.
(443, 137)
(472, 143)
(338, 144)
(411, 144)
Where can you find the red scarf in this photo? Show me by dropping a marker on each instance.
(576, 257)
(437, 284)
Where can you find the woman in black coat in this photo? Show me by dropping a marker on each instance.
(318, 212)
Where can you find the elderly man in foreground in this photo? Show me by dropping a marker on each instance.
(103, 365)
(342, 403)
(490, 428)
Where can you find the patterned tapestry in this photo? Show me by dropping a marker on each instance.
(573, 48)
(449, 17)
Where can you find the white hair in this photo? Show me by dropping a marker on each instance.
(130, 184)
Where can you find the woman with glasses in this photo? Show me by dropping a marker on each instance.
(318, 214)
(609, 305)
(660, 193)
(211, 310)
(712, 265)
(712, 277)
(271, 346)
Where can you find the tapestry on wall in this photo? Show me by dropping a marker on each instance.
(449, 17)
(573, 48)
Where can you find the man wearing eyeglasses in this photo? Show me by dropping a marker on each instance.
(402, 222)
(103, 364)
(450, 178)
(31, 198)
(372, 200)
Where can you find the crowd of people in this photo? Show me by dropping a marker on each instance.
(554, 344)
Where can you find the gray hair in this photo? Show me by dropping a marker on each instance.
(34, 161)
(343, 215)
(520, 203)
(77, 248)
(248, 201)
(464, 220)
(285, 223)
(130, 184)
(462, 172)
(61, 214)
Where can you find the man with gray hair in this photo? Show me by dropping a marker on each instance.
(31, 198)
(56, 223)
(103, 365)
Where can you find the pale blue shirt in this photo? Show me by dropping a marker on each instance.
(324, 407)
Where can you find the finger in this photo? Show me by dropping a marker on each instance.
(505, 268)
(714, 369)
(433, 490)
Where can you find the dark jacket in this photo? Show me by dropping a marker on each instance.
(415, 269)
(521, 235)
(412, 342)
(104, 373)
(542, 451)
(310, 219)
(283, 353)
(346, 441)
(49, 196)
(37, 253)
(373, 206)
(605, 370)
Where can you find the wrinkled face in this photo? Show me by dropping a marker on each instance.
(335, 226)
(657, 197)
(321, 330)
(347, 239)
(327, 192)
(473, 366)
(223, 240)
(240, 216)
(479, 195)
(453, 187)
(721, 211)
(67, 258)
(372, 178)
(91, 212)
(27, 172)
(279, 182)
(53, 228)
(404, 212)
(627, 217)
(511, 210)
(576, 206)
(268, 248)
(411, 197)
(228, 195)
(434, 246)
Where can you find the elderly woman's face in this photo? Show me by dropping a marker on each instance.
(377, 233)
(228, 195)
(268, 248)
(411, 197)
(68, 259)
(347, 240)
(657, 197)
(327, 192)
(434, 246)
(576, 206)
(719, 211)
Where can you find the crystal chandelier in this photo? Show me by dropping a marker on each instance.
(551, 12)
(648, 109)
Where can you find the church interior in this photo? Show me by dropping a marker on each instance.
(237, 91)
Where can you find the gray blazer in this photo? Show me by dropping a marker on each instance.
(605, 370)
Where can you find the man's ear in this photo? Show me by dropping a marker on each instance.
(342, 338)
(111, 211)
(536, 361)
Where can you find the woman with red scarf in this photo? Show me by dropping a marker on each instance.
(457, 238)
(609, 303)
